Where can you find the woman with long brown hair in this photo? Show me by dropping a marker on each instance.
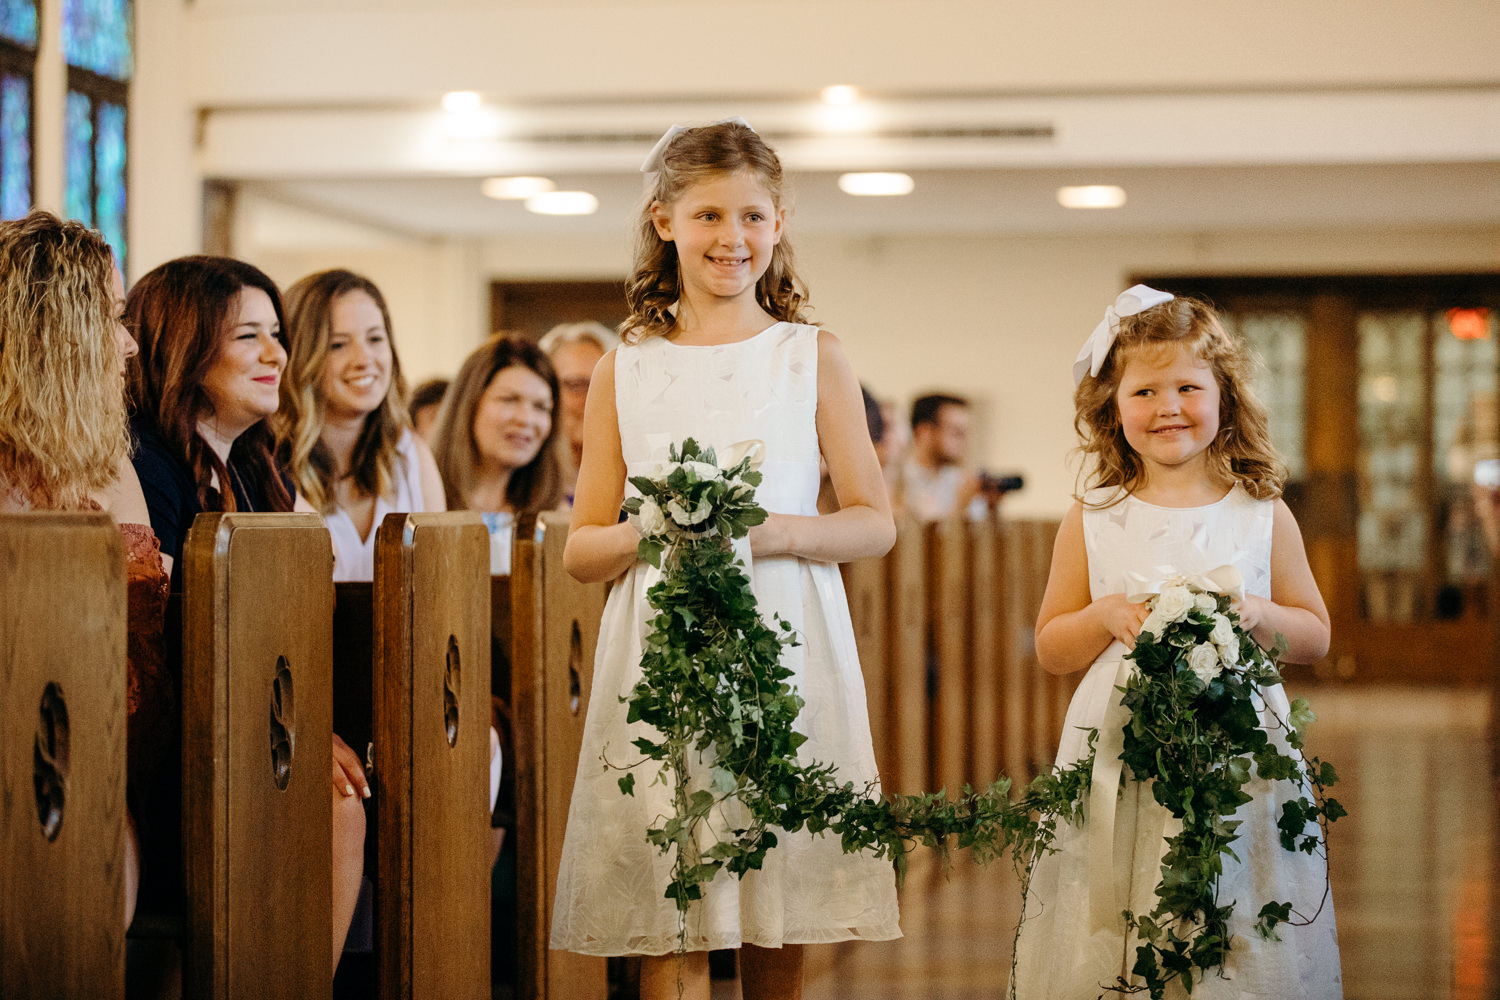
(204, 388)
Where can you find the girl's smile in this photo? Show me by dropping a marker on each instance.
(1169, 406)
(357, 373)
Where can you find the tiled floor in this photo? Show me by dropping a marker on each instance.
(1414, 870)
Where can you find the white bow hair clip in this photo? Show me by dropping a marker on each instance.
(656, 159)
(1132, 300)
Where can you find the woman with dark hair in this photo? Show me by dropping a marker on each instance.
(204, 387)
(343, 418)
(495, 438)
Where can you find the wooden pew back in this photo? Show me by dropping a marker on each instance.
(431, 725)
(62, 756)
(257, 755)
(554, 635)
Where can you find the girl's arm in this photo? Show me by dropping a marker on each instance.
(1296, 609)
(863, 525)
(1071, 628)
(600, 547)
(428, 476)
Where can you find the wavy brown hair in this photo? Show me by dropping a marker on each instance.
(1241, 452)
(655, 283)
(180, 312)
(309, 313)
(63, 433)
(534, 486)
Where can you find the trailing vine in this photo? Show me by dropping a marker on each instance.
(718, 701)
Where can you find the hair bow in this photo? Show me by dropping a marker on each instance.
(1132, 300)
(656, 159)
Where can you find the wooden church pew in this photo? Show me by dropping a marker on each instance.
(554, 634)
(951, 629)
(256, 741)
(907, 649)
(431, 724)
(865, 586)
(62, 739)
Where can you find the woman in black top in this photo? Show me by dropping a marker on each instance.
(204, 387)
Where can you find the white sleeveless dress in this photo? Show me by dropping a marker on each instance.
(1071, 944)
(609, 887)
(353, 556)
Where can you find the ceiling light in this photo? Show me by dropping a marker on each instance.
(515, 188)
(461, 100)
(563, 203)
(1091, 196)
(840, 93)
(876, 184)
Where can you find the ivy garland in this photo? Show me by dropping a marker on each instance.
(714, 691)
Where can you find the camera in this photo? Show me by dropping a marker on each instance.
(992, 483)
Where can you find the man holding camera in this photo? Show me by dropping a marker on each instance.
(935, 481)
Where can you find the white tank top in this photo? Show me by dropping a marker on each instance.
(354, 557)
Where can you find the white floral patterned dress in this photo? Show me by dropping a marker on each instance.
(611, 881)
(1073, 941)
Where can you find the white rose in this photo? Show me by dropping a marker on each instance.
(1230, 653)
(649, 520)
(703, 470)
(689, 518)
(1223, 632)
(1204, 661)
(1154, 624)
(1206, 603)
(1173, 603)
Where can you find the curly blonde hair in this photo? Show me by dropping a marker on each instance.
(63, 429)
(1240, 453)
(309, 315)
(655, 283)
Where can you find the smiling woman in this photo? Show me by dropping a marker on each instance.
(343, 421)
(494, 438)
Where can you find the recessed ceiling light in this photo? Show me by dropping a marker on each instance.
(840, 93)
(515, 188)
(876, 184)
(461, 100)
(1091, 196)
(563, 203)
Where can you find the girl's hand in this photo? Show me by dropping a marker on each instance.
(348, 774)
(1252, 611)
(770, 537)
(1122, 618)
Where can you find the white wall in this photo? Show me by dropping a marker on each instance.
(1000, 318)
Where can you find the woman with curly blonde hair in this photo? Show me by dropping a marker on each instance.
(64, 445)
(343, 421)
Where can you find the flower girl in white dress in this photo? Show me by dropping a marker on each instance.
(1182, 479)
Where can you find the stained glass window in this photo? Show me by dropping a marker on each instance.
(79, 126)
(18, 22)
(15, 145)
(96, 36)
(1280, 341)
(97, 43)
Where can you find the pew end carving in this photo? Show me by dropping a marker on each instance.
(62, 685)
(554, 633)
(256, 752)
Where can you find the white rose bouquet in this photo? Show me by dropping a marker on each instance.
(690, 497)
(1198, 731)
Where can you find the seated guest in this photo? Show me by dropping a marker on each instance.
(204, 388)
(64, 445)
(574, 349)
(426, 400)
(343, 417)
(495, 438)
